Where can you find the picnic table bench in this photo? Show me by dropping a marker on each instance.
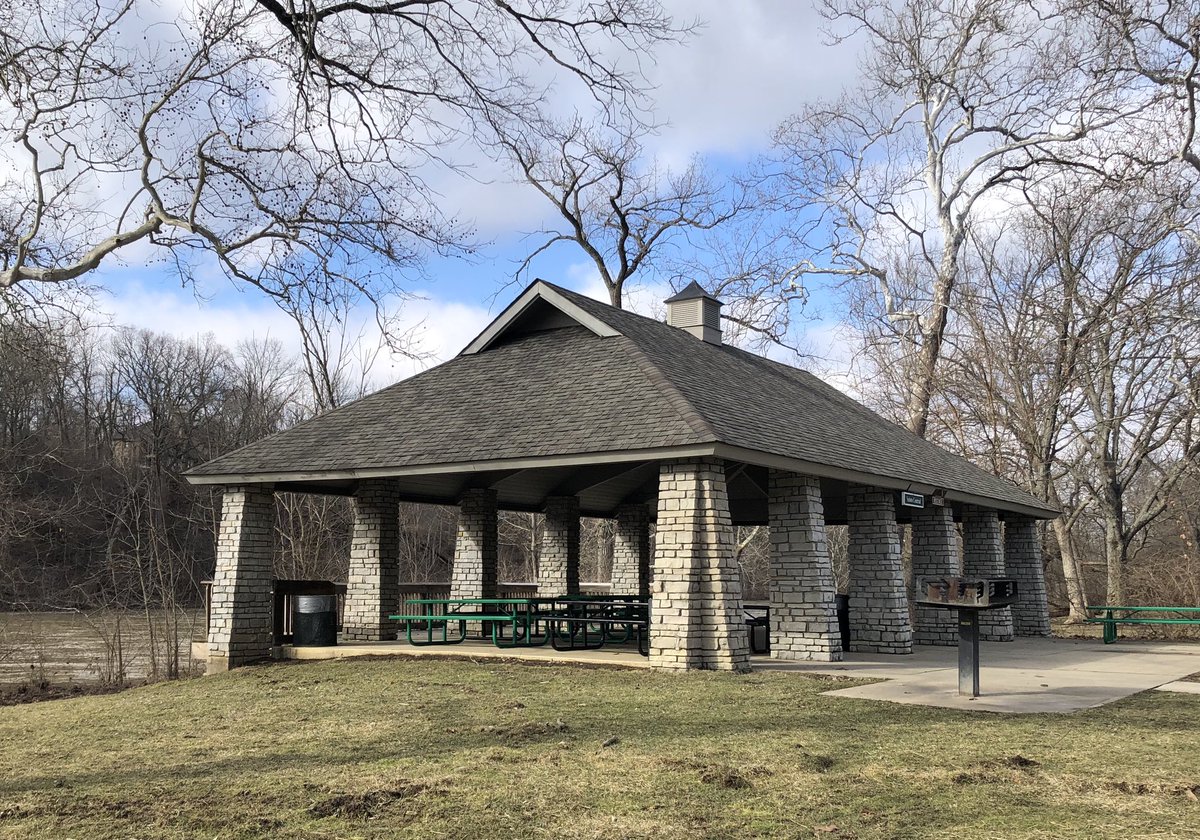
(496, 614)
(1112, 616)
(586, 624)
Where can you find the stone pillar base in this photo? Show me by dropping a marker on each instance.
(373, 586)
(1023, 559)
(804, 623)
(241, 614)
(879, 618)
(696, 620)
(983, 557)
(934, 554)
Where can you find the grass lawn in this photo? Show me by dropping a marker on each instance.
(400, 748)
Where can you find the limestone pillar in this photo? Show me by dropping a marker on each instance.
(803, 608)
(475, 573)
(241, 614)
(1023, 559)
(631, 552)
(879, 619)
(373, 586)
(983, 557)
(934, 554)
(558, 558)
(696, 615)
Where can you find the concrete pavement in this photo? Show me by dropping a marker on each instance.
(1029, 675)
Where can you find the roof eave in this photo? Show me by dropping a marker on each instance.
(766, 459)
(697, 450)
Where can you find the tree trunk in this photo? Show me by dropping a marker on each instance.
(1072, 572)
(1114, 562)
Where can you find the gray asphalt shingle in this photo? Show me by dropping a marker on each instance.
(569, 391)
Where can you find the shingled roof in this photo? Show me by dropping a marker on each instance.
(562, 379)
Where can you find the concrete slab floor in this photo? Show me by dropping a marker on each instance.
(1020, 677)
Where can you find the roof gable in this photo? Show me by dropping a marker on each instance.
(528, 313)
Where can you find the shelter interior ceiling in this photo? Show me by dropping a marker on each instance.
(601, 488)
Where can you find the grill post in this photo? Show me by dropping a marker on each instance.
(968, 652)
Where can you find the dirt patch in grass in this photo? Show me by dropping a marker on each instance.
(526, 732)
(720, 774)
(366, 805)
(997, 770)
(43, 690)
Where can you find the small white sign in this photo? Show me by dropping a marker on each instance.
(916, 500)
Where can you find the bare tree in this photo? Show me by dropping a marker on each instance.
(624, 212)
(958, 102)
(1073, 356)
(289, 143)
(1151, 51)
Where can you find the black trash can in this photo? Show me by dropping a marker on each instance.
(314, 620)
(843, 617)
(758, 623)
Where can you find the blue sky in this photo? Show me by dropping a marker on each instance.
(753, 63)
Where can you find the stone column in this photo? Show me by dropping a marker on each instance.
(1023, 558)
(934, 554)
(475, 572)
(558, 559)
(983, 557)
(631, 552)
(696, 615)
(241, 614)
(373, 587)
(879, 619)
(803, 609)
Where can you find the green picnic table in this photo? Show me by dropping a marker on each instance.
(518, 614)
(1112, 616)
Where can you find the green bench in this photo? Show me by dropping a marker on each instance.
(1110, 617)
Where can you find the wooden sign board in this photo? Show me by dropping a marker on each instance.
(913, 500)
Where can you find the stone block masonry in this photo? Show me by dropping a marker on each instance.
(696, 620)
(475, 573)
(1023, 558)
(934, 554)
(240, 623)
(373, 586)
(631, 551)
(802, 590)
(983, 557)
(558, 559)
(879, 618)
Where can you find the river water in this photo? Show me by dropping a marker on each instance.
(86, 647)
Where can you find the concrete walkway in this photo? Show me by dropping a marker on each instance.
(1024, 676)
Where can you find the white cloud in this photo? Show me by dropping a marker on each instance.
(184, 315)
(752, 64)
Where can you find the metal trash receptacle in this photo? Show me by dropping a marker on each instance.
(758, 626)
(314, 620)
(843, 617)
